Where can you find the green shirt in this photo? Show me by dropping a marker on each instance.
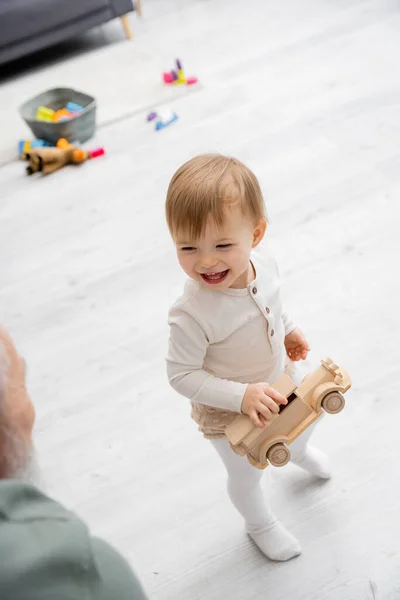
(47, 553)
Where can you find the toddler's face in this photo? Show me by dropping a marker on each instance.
(220, 258)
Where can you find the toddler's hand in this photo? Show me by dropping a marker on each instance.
(261, 402)
(296, 345)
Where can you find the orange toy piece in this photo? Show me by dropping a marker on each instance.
(320, 391)
(78, 155)
(64, 144)
(63, 113)
(47, 160)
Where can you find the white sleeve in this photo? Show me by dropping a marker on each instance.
(187, 348)
(288, 323)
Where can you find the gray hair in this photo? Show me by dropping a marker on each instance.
(14, 452)
(4, 366)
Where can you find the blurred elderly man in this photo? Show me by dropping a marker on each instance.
(45, 550)
(17, 414)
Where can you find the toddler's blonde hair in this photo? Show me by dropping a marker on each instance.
(204, 186)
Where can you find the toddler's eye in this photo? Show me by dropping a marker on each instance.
(188, 249)
(224, 246)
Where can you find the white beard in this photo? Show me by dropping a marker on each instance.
(28, 471)
(19, 458)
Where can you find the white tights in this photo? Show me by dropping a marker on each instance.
(244, 481)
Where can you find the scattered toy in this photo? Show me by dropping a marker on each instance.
(177, 77)
(163, 118)
(163, 122)
(47, 160)
(72, 109)
(25, 145)
(151, 116)
(44, 114)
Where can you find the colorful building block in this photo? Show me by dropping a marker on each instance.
(25, 145)
(73, 107)
(44, 113)
(63, 113)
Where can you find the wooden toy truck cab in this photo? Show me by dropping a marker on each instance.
(320, 391)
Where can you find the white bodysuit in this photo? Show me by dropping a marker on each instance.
(220, 341)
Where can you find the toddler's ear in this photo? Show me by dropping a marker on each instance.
(259, 232)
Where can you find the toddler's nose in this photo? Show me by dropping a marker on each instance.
(208, 261)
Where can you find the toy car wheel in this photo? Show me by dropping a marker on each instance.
(278, 455)
(333, 403)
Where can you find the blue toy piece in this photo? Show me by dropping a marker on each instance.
(161, 124)
(73, 107)
(38, 143)
(26, 145)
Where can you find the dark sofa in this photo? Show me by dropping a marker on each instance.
(30, 25)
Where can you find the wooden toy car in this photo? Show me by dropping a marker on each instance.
(320, 391)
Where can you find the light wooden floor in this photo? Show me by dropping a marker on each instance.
(308, 93)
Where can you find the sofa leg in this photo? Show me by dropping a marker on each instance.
(139, 7)
(127, 27)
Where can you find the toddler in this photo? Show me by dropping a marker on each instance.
(229, 336)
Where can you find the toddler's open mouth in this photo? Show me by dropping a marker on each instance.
(214, 278)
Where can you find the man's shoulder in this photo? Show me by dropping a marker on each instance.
(21, 501)
(68, 561)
